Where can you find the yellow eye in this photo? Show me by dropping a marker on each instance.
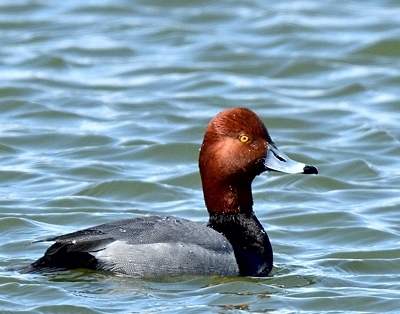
(244, 138)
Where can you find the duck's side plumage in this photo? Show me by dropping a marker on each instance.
(142, 247)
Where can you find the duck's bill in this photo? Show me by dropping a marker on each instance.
(278, 161)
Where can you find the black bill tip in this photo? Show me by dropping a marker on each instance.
(310, 170)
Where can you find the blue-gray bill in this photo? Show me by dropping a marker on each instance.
(278, 161)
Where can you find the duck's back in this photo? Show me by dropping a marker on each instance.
(143, 247)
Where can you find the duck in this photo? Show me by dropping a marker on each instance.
(236, 148)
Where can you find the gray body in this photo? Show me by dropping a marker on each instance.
(146, 247)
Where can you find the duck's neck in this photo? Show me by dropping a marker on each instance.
(249, 240)
(221, 197)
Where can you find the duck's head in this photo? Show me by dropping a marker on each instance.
(236, 148)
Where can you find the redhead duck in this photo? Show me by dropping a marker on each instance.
(236, 148)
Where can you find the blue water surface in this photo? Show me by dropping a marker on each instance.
(103, 106)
